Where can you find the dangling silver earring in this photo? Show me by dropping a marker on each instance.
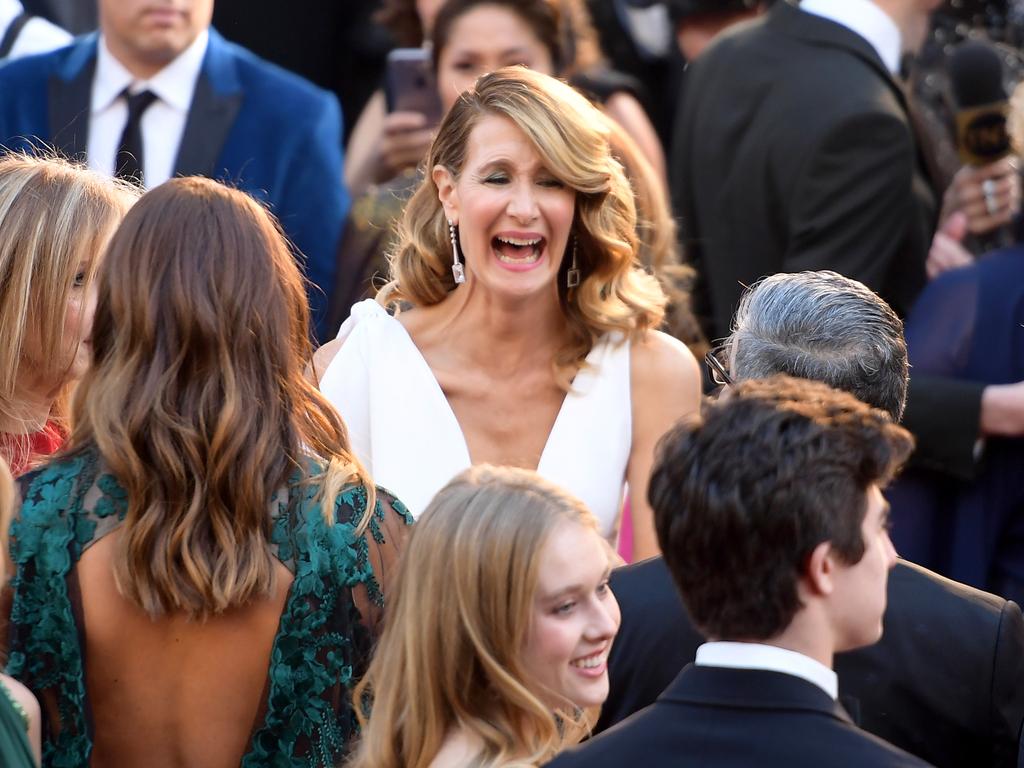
(572, 277)
(457, 270)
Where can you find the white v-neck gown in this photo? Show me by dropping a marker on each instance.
(404, 431)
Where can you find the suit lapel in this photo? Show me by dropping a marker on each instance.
(218, 97)
(209, 120)
(69, 92)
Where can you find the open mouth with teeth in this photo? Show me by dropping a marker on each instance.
(518, 251)
(593, 662)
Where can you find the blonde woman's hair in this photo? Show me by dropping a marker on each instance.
(54, 216)
(572, 138)
(197, 400)
(458, 619)
(659, 251)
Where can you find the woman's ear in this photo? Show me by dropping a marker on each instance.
(446, 192)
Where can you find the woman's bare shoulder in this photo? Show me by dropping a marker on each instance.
(658, 360)
(322, 359)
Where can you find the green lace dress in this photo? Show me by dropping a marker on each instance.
(15, 751)
(323, 641)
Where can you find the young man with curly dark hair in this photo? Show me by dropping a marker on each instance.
(771, 519)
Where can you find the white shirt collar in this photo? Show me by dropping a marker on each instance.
(866, 19)
(768, 657)
(9, 11)
(175, 84)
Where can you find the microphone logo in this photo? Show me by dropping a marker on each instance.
(981, 133)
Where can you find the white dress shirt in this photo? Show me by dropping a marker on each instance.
(163, 124)
(37, 36)
(770, 658)
(866, 19)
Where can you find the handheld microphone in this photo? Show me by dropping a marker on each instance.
(976, 76)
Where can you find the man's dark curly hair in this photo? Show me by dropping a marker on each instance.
(743, 495)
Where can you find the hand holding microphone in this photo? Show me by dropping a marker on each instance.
(987, 188)
(988, 195)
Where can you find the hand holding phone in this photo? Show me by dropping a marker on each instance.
(409, 84)
(405, 141)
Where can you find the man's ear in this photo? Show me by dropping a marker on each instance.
(446, 192)
(819, 575)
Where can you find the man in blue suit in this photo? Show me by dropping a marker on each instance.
(157, 93)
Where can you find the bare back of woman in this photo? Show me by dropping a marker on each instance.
(172, 692)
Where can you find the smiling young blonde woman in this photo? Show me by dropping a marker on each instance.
(491, 652)
(530, 339)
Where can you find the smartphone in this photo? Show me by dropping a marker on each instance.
(409, 84)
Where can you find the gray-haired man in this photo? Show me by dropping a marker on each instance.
(946, 682)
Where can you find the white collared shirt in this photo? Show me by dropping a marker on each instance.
(37, 36)
(770, 658)
(866, 19)
(163, 124)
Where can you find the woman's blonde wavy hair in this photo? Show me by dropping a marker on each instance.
(572, 138)
(54, 216)
(458, 619)
(197, 401)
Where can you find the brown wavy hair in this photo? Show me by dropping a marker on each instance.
(572, 138)
(197, 401)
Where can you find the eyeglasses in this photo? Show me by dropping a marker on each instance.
(716, 368)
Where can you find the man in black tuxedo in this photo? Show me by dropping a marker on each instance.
(796, 151)
(774, 528)
(946, 682)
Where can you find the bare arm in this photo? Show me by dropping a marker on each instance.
(665, 387)
(362, 155)
(384, 144)
(321, 360)
(28, 702)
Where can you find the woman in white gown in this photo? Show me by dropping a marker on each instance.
(526, 336)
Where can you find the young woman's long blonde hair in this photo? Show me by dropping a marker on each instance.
(458, 618)
(197, 400)
(54, 217)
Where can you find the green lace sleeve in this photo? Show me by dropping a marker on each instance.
(47, 539)
(326, 635)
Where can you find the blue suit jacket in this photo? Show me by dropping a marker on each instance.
(251, 124)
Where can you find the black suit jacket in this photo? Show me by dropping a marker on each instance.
(946, 682)
(796, 151)
(714, 717)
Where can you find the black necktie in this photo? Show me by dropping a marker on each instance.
(129, 162)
